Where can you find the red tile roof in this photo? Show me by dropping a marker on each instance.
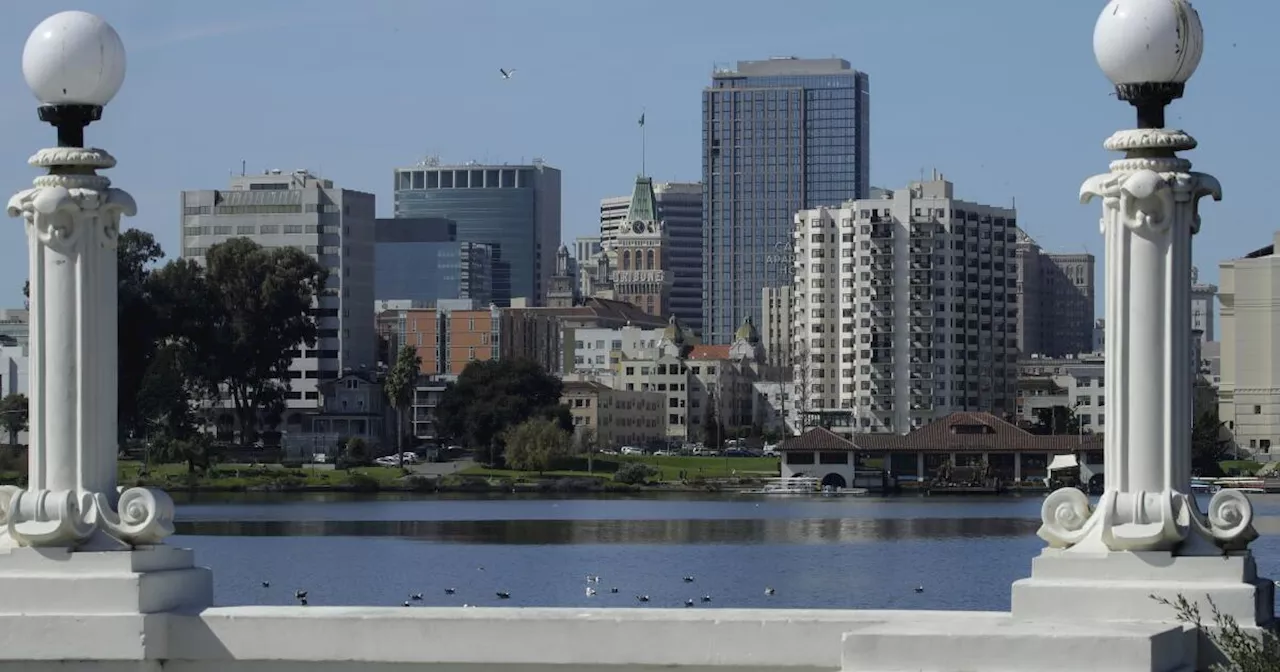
(957, 433)
(818, 439)
(709, 352)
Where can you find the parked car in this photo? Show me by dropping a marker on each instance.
(632, 450)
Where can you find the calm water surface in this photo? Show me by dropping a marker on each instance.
(829, 553)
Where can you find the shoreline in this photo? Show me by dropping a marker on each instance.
(552, 487)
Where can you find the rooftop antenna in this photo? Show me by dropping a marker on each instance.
(241, 167)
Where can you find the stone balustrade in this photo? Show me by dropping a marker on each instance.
(376, 639)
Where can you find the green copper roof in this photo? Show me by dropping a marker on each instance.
(644, 205)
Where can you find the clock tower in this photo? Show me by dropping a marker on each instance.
(641, 274)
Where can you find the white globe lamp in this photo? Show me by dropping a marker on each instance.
(1148, 49)
(74, 63)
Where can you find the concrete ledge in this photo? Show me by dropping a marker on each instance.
(687, 638)
(999, 643)
(26, 639)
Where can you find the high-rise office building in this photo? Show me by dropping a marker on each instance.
(904, 309)
(680, 211)
(420, 259)
(1055, 300)
(1202, 305)
(778, 136)
(514, 209)
(333, 225)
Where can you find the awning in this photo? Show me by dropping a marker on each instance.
(1061, 462)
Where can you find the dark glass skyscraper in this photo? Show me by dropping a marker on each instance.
(778, 136)
(420, 259)
(513, 209)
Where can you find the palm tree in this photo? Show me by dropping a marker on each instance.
(398, 387)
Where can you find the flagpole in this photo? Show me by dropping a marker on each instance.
(643, 144)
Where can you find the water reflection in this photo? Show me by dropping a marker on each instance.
(695, 531)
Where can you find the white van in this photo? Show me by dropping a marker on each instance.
(632, 450)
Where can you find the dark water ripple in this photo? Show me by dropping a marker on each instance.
(682, 532)
(833, 553)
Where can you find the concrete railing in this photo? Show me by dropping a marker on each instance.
(293, 639)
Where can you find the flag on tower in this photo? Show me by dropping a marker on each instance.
(642, 119)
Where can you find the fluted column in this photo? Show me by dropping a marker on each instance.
(1150, 212)
(72, 218)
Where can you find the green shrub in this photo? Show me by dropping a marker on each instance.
(634, 473)
(1244, 651)
(363, 482)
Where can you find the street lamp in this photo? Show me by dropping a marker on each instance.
(1148, 49)
(74, 63)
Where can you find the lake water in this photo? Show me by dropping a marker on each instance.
(826, 553)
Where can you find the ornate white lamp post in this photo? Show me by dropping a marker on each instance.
(74, 63)
(1147, 534)
(1148, 48)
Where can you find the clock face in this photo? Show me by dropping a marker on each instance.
(638, 227)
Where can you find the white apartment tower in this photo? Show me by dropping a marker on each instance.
(904, 308)
(333, 225)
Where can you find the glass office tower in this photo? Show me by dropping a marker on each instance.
(512, 209)
(778, 136)
(419, 259)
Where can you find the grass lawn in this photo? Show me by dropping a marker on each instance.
(668, 466)
(263, 475)
(1239, 467)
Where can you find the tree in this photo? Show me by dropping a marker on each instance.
(1056, 420)
(585, 443)
(163, 402)
(398, 387)
(13, 415)
(534, 444)
(140, 330)
(240, 318)
(491, 396)
(196, 450)
(356, 451)
(1207, 445)
(712, 427)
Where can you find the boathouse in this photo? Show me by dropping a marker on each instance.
(962, 440)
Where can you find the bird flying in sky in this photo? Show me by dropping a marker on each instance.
(506, 74)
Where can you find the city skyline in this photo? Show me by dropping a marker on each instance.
(986, 138)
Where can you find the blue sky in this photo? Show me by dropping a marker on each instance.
(1003, 96)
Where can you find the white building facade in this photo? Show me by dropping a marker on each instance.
(904, 308)
(1249, 388)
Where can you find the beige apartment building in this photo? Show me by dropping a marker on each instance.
(700, 383)
(615, 418)
(1249, 391)
(904, 309)
(1055, 300)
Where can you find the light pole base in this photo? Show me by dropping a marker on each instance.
(1128, 586)
(145, 580)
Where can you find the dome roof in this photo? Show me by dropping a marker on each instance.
(747, 332)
